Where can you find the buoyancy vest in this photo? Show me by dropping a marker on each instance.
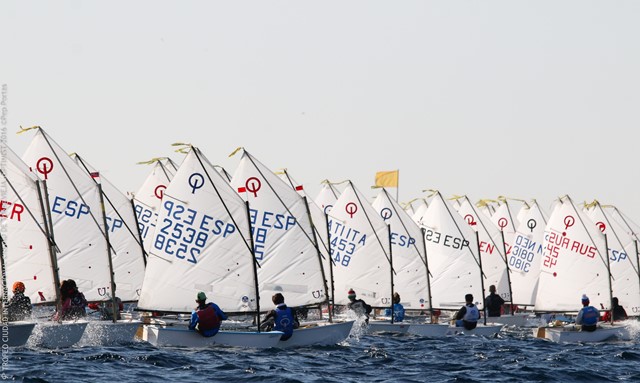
(76, 307)
(360, 307)
(590, 316)
(398, 312)
(472, 314)
(284, 320)
(208, 318)
(494, 303)
(19, 307)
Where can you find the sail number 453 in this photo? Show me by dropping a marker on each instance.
(342, 250)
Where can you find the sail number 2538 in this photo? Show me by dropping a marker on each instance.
(184, 232)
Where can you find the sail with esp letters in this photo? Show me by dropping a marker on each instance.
(75, 209)
(202, 243)
(283, 237)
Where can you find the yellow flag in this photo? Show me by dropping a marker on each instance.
(387, 179)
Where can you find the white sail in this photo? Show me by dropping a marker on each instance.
(524, 209)
(146, 201)
(359, 241)
(488, 207)
(201, 244)
(127, 256)
(327, 197)
(419, 210)
(319, 221)
(525, 254)
(491, 248)
(503, 219)
(623, 262)
(625, 221)
(283, 237)
(171, 166)
(408, 253)
(27, 256)
(74, 205)
(411, 206)
(573, 262)
(452, 254)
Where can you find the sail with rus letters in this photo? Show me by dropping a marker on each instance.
(575, 262)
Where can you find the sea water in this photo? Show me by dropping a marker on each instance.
(513, 355)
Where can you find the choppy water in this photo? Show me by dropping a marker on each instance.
(512, 356)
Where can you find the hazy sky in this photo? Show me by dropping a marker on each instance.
(527, 99)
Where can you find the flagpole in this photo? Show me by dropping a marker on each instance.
(398, 187)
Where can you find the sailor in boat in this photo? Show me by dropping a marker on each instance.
(106, 307)
(19, 306)
(468, 314)
(619, 313)
(398, 309)
(588, 315)
(73, 302)
(207, 317)
(435, 315)
(493, 302)
(282, 318)
(360, 307)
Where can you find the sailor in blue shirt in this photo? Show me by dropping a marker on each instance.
(282, 318)
(398, 309)
(588, 315)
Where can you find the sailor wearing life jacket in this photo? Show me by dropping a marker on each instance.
(207, 317)
(19, 307)
(358, 306)
(283, 318)
(468, 314)
(73, 302)
(588, 315)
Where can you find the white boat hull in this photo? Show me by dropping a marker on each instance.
(511, 320)
(325, 334)
(387, 326)
(109, 333)
(624, 330)
(488, 330)
(183, 337)
(57, 335)
(572, 334)
(18, 333)
(432, 330)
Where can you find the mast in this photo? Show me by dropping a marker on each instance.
(254, 262)
(114, 304)
(635, 242)
(315, 244)
(332, 299)
(391, 269)
(606, 246)
(48, 228)
(506, 264)
(139, 239)
(484, 307)
(426, 264)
